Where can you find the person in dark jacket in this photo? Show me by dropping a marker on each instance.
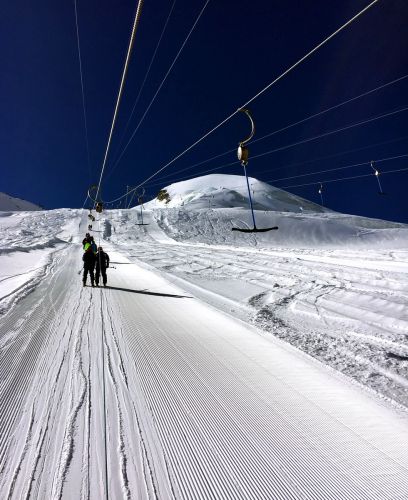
(89, 264)
(87, 239)
(93, 245)
(102, 263)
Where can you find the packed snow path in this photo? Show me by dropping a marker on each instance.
(346, 306)
(142, 391)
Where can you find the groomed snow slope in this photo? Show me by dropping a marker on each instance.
(173, 381)
(141, 390)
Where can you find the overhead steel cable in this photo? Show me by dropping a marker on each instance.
(331, 108)
(122, 83)
(296, 164)
(320, 113)
(317, 47)
(381, 160)
(303, 141)
(345, 178)
(331, 132)
(144, 80)
(83, 92)
(161, 85)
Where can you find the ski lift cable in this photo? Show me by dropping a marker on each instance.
(304, 141)
(160, 86)
(320, 113)
(331, 132)
(345, 178)
(292, 164)
(288, 70)
(336, 106)
(144, 81)
(86, 199)
(340, 168)
(122, 83)
(83, 92)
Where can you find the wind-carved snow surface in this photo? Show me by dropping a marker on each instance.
(216, 364)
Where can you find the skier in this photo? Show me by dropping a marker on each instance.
(86, 240)
(102, 263)
(89, 264)
(93, 245)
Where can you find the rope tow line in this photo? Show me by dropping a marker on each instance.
(345, 178)
(83, 92)
(143, 84)
(342, 168)
(310, 117)
(304, 141)
(122, 83)
(297, 63)
(161, 85)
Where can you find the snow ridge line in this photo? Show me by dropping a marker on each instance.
(122, 447)
(44, 433)
(86, 486)
(19, 293)
(67, 450)
(51, 243)
(18, 381)
(25, 449)
(105, 430)
(45, 326)
(145, 459)
(39, 446)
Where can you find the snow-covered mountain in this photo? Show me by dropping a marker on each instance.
(11, 204)
(205, 209)
(230, 191)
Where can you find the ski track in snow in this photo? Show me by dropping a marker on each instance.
(347, 308)
(141, 390)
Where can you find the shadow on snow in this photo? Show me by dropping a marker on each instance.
(146, 292)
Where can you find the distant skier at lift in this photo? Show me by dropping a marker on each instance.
(89, 264)
(102, 263)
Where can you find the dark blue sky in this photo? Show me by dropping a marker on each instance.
(237, 48)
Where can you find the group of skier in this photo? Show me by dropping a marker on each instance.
(95, 259)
